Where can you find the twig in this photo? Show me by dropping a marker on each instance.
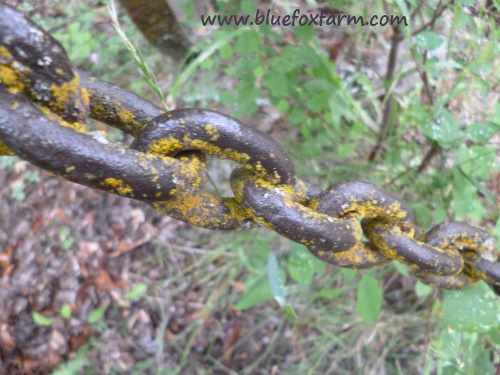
(431, 154)
(435, 147)
(430, 24)
(389, 76)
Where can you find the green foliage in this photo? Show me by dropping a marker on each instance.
(41, 320)
(369, 298)
(422, 290)
(75, 365)
(334, 118)
(257, 291)
(96, 315)
(475, 309)
(66, 312)
(302, 265)
(66, 238)
(276, 281)
(137, 292)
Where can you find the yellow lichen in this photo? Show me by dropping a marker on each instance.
(192, 170)
(212, 132)
(76, 125)
(5, 150)
(211, 149)
(358, 256)
(64, 93)
(11, 79)
(126, 116)
(4, 52)
(165, 146)
(85, 95)
(201, 209)
(118, 186)
(372, 209)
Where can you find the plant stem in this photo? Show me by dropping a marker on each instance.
(389, 76)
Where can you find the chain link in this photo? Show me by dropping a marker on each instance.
(45, 106)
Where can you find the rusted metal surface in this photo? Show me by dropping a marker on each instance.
(82, 159)
(218, 135)
(44, 106)
(116, 107)
(34, 63)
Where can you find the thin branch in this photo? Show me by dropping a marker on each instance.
(431, 154)
(389, 76)
(435, 148)
(430, 24)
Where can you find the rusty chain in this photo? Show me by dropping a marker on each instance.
(44, 107)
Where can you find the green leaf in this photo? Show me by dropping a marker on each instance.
(494, 335)
(66, 237)
(329, 293)
(283, 106)
(73, 366)
(96, 315)
(497, 231)
(317, 101)
(429, 40)
(248, 7)
(302, 265)
(65, 311)
(304, 33)
(475, 309)
(402, 268)
(465, 203)
(277, 84)
(290, 312)
(137, 292)
(422, 290)
(18, 192)
(227, 52)
(481, 132)
(257, 291)
(444, 129)
(256, 257)
(41, 320)
(276, 279)
(297, 116)
(248, 43)
(369, 298)
(348, 274)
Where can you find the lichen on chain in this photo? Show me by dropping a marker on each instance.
(35, 64)
(218, 135)
(44, 106)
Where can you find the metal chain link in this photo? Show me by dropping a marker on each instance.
(45, 105)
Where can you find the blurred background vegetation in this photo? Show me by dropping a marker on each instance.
(418, 114)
